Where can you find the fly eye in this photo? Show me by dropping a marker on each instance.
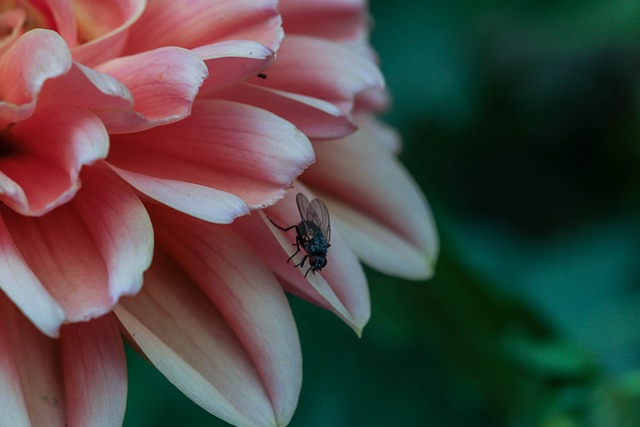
(317, 261)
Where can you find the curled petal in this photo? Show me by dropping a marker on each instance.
(84, 87)
(313, 116)
(401, 241)
(85, 254)
(216, 322)
(163, 83)
(103, 28)
(324, 70)
(37, 56)
(50, 146)
(233, 148)
(165, 22)
(232, 62)
(341, 286)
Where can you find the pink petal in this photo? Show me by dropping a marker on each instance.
(314, 117)
(11, 26)
(51, 146)
(328, 19)
(232, 62)
(340, 287)
(166, 22)
(30, 373)
(85, 87)
(390, 228)
(163, 83)
(233, 148)
(78, 380)
(324, 70)
(199, 201)
(34, 58)
(384, 136)
(214, 320)
(246, 294)
(95, 372)
(63, 21)
(21, 285)
(86, 253)
(103, 28)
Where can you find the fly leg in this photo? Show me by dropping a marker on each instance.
(297, 238)
(298, 243)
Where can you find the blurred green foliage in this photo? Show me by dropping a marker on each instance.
(521, 123)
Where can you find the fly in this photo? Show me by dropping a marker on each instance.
(313, 233)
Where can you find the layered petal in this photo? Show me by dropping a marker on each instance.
(229, 154)
(31, 375)
(322, 69)
(363, 194)
(163, 83)
(232, 62)
(37, 56)
(103, 28)
(11, 22)
(341, 286)
(165, 22)
(215, 321)
(77, 380)
(60, 17)
(95, 372)
(51, 146)
(314, 117)
(327, 19)
(80, 257)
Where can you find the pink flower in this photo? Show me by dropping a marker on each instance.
(133, 132)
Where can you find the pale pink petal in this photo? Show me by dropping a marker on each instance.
(166, 22)
(327, 19)
(246, 294)
(340, 287)
(163, 83)
(103, 28)
(50, 146)
(238, 149)
(30, 373)
(95, 373)
(12, 405)
(88, 252)
(21, 285)
(383, 135)
(217, 324)
(34, 58)
(322, 69)
(314, 117)
(199, 201)
(373, 100)
(232, 62)
(359, 179)
(11, 23)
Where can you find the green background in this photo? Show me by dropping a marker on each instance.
(520, 122)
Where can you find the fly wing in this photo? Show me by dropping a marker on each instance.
(319, 214)
(303, 209)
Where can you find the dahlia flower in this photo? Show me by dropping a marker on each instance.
(148, 143)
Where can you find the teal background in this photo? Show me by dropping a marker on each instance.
(520, 122)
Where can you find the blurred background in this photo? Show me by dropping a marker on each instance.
(521, 124)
